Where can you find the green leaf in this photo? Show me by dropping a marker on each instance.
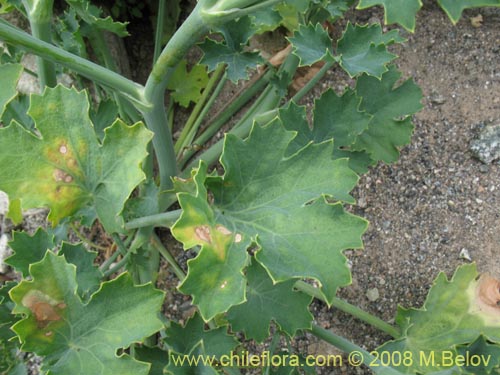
(69, 166)
(104, 116)
(363, 49)
(268, 302)
(92, 15)
(481, 347)
(78, 338)
(9, 76)
(187, 86)
(335, 117)
(157, 357)
(88, 276)
(454, 8)
(238, 32)
(402, 12)
(391, 107)
(183, 339)
(279, 204)
(311, 44)
(238, 63)
(455, 314)
(28, 249)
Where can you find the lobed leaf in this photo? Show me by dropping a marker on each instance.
(268, 302)
(311, 44)
(277, 203)
(238, 62)
(70, 168)
(454, 8)
(363, 49)
(402, 12)
(92, 15)
(187, 86)
(459, 315)
(78, 338)
(391, 107)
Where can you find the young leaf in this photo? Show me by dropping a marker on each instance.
(402, 12)
(238, 62)
(279, 204)
(311, 44)
(70, 168)
(456, 312)
(9, 76)
(268, 302)
(391, 108)
(78, 338)
(187, 86)
(454, 8)
(363, 49)
(28, 249)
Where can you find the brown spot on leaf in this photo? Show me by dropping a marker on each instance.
(488, 294)
(44, 308)
(59, 175)
(68, 179)
(203, 233)
(237, 238)
(63, 149)
(223, 229)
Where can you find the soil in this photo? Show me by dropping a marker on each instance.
(435, 207)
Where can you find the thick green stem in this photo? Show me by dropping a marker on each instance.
(156, 118)
(46, 69)
(157, 121)
(40, 18)
(95, 72)
(357, 355)
(165, 219)
(350, 309)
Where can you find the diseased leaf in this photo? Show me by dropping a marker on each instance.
(454, 8)
(238, 62)
(28, 249)
(78, 338)
(9, 76)
(363, 49)
(187, 86)
(391, 107)
(268, 302)
(69, 166)
(402, 12)
(456, 311)
(311, 44)
(279, 204)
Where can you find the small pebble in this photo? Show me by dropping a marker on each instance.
(465, 255)
(372, 294)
